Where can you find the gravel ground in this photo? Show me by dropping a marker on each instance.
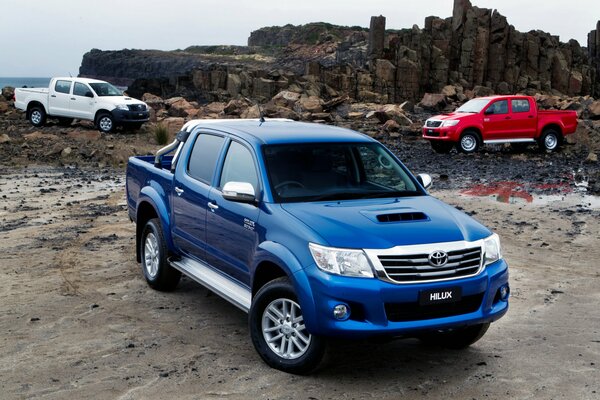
(78, 320)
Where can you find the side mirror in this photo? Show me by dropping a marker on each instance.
(89, 94)
(489, 111)
(241, 192)
(425, 180)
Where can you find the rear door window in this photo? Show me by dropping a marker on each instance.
(204, 157)
(519, 105)
(63, 86)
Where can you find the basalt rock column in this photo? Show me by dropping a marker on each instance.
(376, 37)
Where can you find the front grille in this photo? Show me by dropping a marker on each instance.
(136, 107)
(433, 124)
(400, 312)
(416, 267)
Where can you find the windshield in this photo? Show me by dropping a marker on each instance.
(473, 106)
(335, 171)
(105, 89)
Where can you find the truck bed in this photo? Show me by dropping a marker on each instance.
(141, 173)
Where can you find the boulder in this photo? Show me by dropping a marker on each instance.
(594, 110)
(482, 91)
(433, 101)
(235, 107)
(214, 107)
(4, 138)
(8, 92)
(391, 126)
(173, 124)
(179, 107)
(392, 112)
(449, 91)
(311, 104)
(286, 98)
(39, 135)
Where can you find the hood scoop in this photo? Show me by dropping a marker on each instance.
(402, 217)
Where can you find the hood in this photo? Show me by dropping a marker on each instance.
(450, 116)
(120, 100)
(385, 223)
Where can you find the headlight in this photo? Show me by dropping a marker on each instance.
(450, 122)
(122, 107)
(345, 262)
(493, 251)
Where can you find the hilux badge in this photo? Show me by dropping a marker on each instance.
(438, 258)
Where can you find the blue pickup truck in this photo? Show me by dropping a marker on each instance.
(317, 232)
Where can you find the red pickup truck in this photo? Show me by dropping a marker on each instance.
(498, 119)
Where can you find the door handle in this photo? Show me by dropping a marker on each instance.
(506, 117)
(530, 116)
(73, 98)
(178, 191)
(52, 95)
(212, 206)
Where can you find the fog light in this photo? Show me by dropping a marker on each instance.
(504, 292)
(341, 311)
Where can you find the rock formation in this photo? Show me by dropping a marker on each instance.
(475, 50)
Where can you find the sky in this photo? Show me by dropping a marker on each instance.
(44, 38)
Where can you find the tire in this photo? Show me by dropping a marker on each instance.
(441, 147)
(469, 142)
(105, 123)
(154, 251)
(272, 310)
(65, 121)
(550, 140)
(37, 116)
(456, 339)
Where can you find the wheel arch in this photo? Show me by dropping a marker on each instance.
(473, 129)
(552, 125)
(35, 103)
(151, 206)
(101, 111)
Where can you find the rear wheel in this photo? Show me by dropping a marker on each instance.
(157, 271)
(457, 338)
(469, 142)
(105, 123)
(278, 331)
(37, 116)
(550, 140)
(441, 147)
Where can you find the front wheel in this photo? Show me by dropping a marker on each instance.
(153, 248)
(278, 331)
(105, 123)
(37, 116)
(457, 338)
(469, 142)
(550, 140)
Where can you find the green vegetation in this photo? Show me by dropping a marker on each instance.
(160, 133)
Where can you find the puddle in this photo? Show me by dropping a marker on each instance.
(513, 192)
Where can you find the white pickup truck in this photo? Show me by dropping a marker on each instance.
(81, 98)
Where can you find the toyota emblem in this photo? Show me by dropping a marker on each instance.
(438, 258)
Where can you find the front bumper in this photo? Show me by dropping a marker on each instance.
(442, 133)
(382, 308)
(125, 116)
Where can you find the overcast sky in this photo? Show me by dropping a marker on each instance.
(45, 38)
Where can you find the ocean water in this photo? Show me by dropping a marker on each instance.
(20, 82)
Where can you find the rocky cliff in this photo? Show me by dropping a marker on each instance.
(475, 49)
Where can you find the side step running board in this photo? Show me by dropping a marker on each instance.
(231, 291)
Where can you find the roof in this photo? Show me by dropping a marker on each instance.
(280, 131)
(86, 80)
